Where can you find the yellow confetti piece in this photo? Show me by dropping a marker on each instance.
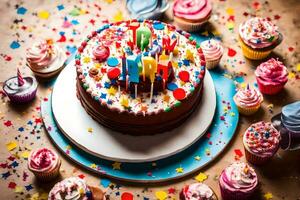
(68, 147)
(93, 165)
(230, 11)
(43, 14)
(201, 177)
(298, 67)
(268, 196)
(198, 158)
(124, 101)
(161, 195)
(179, 170)
(112, 91)
(25, 154)
(230, 25)
(11, 145)
(118, 16)
(243, 85)
(38, 196)
(232, 114)
(109, 1)
(86, 59)
(90, 129)
(291, 75)
(116, 166)
(19, 189)
(82, 12)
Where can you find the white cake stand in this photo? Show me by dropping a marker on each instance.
(102, 142)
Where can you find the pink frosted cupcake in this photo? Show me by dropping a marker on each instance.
(248, 100)
(190, 15)
(75, 188)
(197, 191)
(271, 76)
(238, 182)
(213, 52)
(45, 60)
(261, 142)
(44, 164)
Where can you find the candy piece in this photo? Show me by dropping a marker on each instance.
(113, 73)
(184, 76)
(101, 53)
(179, 94)
(112, 61)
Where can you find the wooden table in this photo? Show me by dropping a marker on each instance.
(68, 22)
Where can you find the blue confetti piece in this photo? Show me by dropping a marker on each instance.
(105, 182)
(21, 11)
(71, 49)
(60, 7)
(74, 22)
(5, 175)
(61, 33)
(186, 62)
(103, 96)
(112, 61)
(172, 86)
(158, 26)
(28, 187)
(15, 164)
(21, 129)
(15, 45)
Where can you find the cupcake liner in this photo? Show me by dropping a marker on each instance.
(22, 98)
(211, 64)
(48, 176)
(248, 110)
(230, 195)
(189, 26)
(269, 89)
(255, 159)
(252, 53)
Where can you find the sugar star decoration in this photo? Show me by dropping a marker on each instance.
(116, 166)
(93, 165)
(161, 195)
(11, 145)
(201, 177)
(86, 59)
(179, 170)
(124, 102)
(268, 196)
(112, 91)
(198, 158)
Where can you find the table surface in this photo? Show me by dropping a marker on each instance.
(67, 22)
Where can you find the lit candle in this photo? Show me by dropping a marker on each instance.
(133, 27)
(143, 37)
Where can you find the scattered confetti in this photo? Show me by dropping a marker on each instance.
(179, 170)
(15, 45)
(201, 177)
(268, 196)
(161, 195)
(116, 166)
(21, 11)
(43, 14)
(11, 145)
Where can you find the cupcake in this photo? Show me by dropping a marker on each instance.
(248, 100)
(190, 15)
(288, 124)
(44, 164)
(213, 52)
(258, 37)
(238, 182)
(45, 60)
(150, 9)
(197, 191)
(261, 142)
(271, 76)
(19, 89)
(74, 188)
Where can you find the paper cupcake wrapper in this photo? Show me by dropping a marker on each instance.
(211, 64)
(254, 54)
(22, 98)
(229, 195)
(48, 176)
(269, 89)
(248, 111)
(256, 160)
(188, 26)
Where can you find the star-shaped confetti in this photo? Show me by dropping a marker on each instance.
(179, 170)
(201, 177)
(11, 145)
(116, 166)
(112, 91)
(90, 130)
(161, 195)
(198, 158)
(268, 196)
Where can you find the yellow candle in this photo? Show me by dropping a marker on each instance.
(150, 67)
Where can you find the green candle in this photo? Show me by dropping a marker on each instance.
(143, 37)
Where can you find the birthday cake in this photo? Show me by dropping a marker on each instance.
(139, 77)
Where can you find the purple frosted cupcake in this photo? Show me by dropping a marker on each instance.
(19, 89)
(197, 191)
(238, 182)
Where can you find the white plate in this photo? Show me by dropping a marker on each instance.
(105, 143)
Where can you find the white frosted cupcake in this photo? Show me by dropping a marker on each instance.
(45, 60)
(197, 191)
(213, 52)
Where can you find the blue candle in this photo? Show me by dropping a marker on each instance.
(124, 70)
(133, 69)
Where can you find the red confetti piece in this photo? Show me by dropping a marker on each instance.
(92, 21)
(82, 176)
(113, 73)
(277, 17)
(8, 123)
(179, 94)
(62, 38)
(231, 52)
(7, 58)
(222, 118)
(12, 185)
(171, 190)
(208, 135)
(238, 153)
(127, 196)
(256, 5)
(291, 49)
(38, 120)
(184, 76)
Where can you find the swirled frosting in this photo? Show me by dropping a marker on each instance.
(195, 10)
(11, 86)
(290, 116)
(272, 72)
(42, 160)
(262, 139)
(197, 191)
(43, 56)
(101, 53)
(248, 97)
(239, 177)
(72, 188)
(212, 50)
(258, 33)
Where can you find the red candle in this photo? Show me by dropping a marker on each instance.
(134, 26)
